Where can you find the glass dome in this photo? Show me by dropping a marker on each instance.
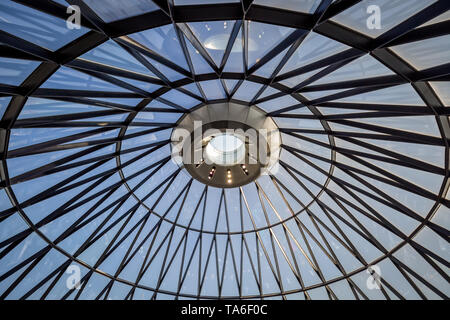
(92, 207)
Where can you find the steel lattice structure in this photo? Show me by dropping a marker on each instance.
(87, 179)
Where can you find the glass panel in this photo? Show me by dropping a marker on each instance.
(430, 240)
(424, 124)
(146, 86)
(441, 18)
(442, 89)
(213, 89)
(214, 36)
(292, 82)
(67, 78)
(111, 10)
(230, 84)
(362, 17)
(247, 91)
(426, 53)
(278, 103)
(5, 202)
(235, 62)
(36, 27)
(4, 102)
(200, 64)
(49, 262)
(131, 102)
(268, 92)
(15, 71)
(112, 54)
(180, 99)
(37, 107)
(188, 2)
(169, 73)
(392, 275)
(269, 67)
(164, 41)
(307, 6)
(28, 136)
(314, 48)
(21, 165)
(24, 250)
(193, 89)
(313, 95)
(403, 94)
(412, 259)
(442, 216)
(157, 117)
(262, 38)
(361, 68)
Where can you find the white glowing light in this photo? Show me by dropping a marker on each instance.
(225, 149)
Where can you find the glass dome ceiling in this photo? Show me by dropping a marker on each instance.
(87, 179)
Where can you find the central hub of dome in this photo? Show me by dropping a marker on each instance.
(226, 145)
(225, 149)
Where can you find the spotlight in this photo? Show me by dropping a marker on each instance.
(211, 173)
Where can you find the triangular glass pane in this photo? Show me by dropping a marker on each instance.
(230, 84)
(293, 5)
(426, 53)
(230, 284)
(213, 89)
(189, 2)
(235, 62)
(37, 27)
(214, 36)
(192, 87)
(296, 80)
(314, 48)
(169, 73)
(70, 79)
(262, 38)
(392, 13)
(146, 86)
(313, 95)
(267, 69)
(180, 99)
(190, 282)
(38, 107)
(15, 71)
(361, 68)
(112, 10)
(4, 102)
(210, 284)
(278, 103)
(442, 89)
(247, 91)
(268, 92)
(164, 41)
(112, 54)
(200, 64)
(249, 270)
(403, 94)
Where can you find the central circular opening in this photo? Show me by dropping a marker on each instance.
(226, 145)
(225, 149)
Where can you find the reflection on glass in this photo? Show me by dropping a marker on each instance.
(112, 10)
(36, 27)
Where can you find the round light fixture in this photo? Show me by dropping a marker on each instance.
(226, 145)
(225, 150)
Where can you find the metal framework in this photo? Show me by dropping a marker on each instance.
(155, 235)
